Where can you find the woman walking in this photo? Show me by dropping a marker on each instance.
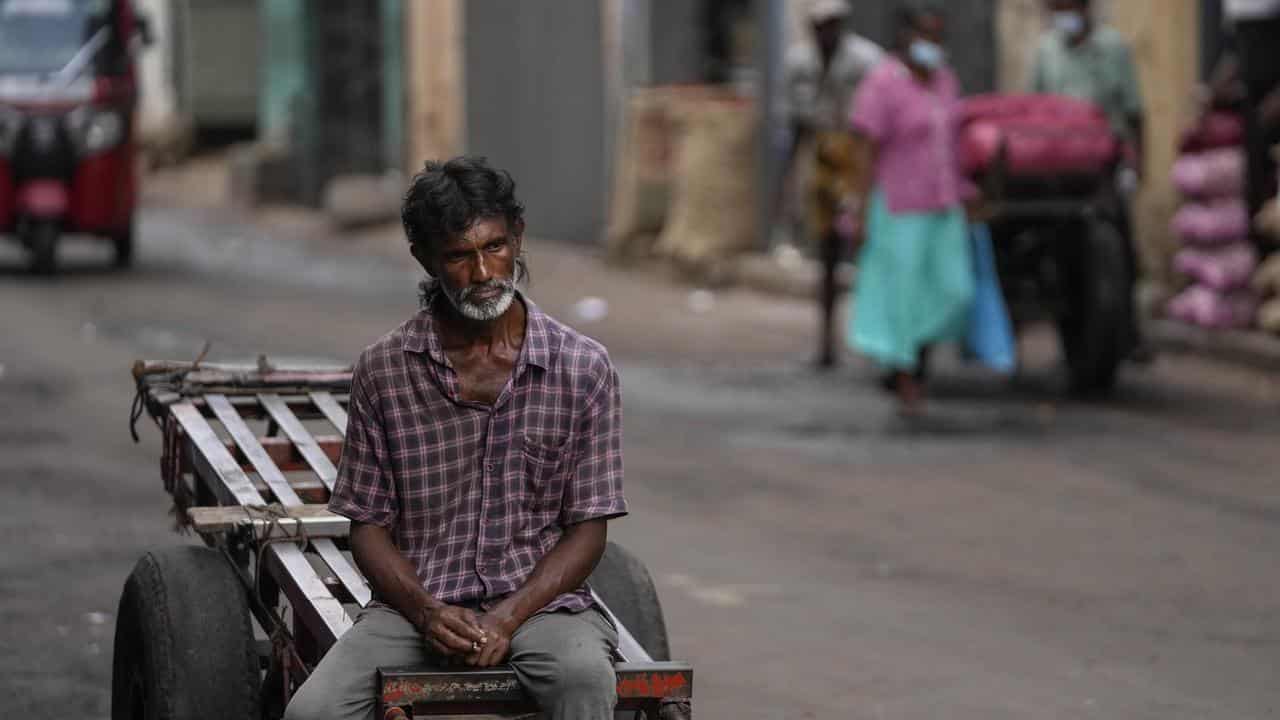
(915, 275)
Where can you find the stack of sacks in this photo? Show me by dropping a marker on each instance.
(1266, 283)
(1213, 226)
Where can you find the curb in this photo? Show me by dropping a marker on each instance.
(1254, 349)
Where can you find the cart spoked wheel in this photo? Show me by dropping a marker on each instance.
(626, 587)
(184, 647)
(123, 244)
(1094, 327)
(42, 243)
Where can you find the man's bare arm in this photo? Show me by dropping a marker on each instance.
(451, 630)
(562, 570)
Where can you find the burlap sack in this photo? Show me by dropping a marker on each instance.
(1268, 220)
(713, 214)
(1269, 317)
(644, 166)
(1266, 279)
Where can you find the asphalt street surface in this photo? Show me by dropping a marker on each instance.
(1011, 555)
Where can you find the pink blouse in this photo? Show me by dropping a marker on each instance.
(914, 126)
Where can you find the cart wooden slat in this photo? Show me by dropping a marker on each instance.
(331, 409)
(248, 444)
(295, 431)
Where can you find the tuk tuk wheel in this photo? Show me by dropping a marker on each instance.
(1094, 328)
(625, 585)
(123, 243)
(42, 243)
(184, 647)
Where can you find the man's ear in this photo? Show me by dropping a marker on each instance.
(517, 233)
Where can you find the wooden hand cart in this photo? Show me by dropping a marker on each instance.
(231, 629)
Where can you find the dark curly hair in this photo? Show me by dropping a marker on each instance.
(908, 16)
(447, 198)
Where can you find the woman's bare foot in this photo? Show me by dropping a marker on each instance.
(910, 394)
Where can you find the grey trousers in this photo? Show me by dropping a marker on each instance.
(562, 659)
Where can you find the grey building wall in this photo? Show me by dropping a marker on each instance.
(676, 32)
(535, 106)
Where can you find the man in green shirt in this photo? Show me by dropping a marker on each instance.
(1086, 60)
(1083, 59)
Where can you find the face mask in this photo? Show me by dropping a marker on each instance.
(1069, 23)
(927, 55)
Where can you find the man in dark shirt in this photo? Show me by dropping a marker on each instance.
(483, 459)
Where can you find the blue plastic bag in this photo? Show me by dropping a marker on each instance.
(989, 339)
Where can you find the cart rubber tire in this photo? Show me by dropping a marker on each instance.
(1093, 340)
(626, 587)
(42, 243)
(123, 244)
(184, 647)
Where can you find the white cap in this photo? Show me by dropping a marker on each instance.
(821, 11)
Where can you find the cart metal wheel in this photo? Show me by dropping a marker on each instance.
(1094, 327)
(184, 647)
(42, 243)
(123, 244)
(626, 587)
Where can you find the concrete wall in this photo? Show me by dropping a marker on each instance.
(222, 62)
(535, 105)
(677, 42)
(436, 98)
(1166, 39)
(285, 73)
(158, 109)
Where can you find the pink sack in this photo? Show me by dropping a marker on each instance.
(1199, 305)
(1035, 135)
(1218, 223)
(1212, 174)
(1224, 269)
(1217, 129)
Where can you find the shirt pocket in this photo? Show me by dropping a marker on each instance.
(545, 466)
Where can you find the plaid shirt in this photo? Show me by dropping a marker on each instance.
(475, 495)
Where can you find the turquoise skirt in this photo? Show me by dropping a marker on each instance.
(915, 284)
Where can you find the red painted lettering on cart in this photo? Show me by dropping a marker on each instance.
(654, 685)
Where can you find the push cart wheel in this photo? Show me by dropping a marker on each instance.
(184, 647)
(1094, 326)
(42, 242)
(123, 244)
(626, 587)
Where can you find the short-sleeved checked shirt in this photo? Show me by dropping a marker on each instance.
(475, 495)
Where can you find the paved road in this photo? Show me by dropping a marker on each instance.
(1010, 556)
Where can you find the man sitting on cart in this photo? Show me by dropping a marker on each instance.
(483, 459)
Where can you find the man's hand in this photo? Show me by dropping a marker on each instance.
(976, 208)
(850, 223)
(452, 631)
(498, 627)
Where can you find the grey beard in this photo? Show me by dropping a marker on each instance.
(485, 311)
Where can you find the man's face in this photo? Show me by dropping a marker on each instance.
(932, 28)
(1070, 18)
(477, 268)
